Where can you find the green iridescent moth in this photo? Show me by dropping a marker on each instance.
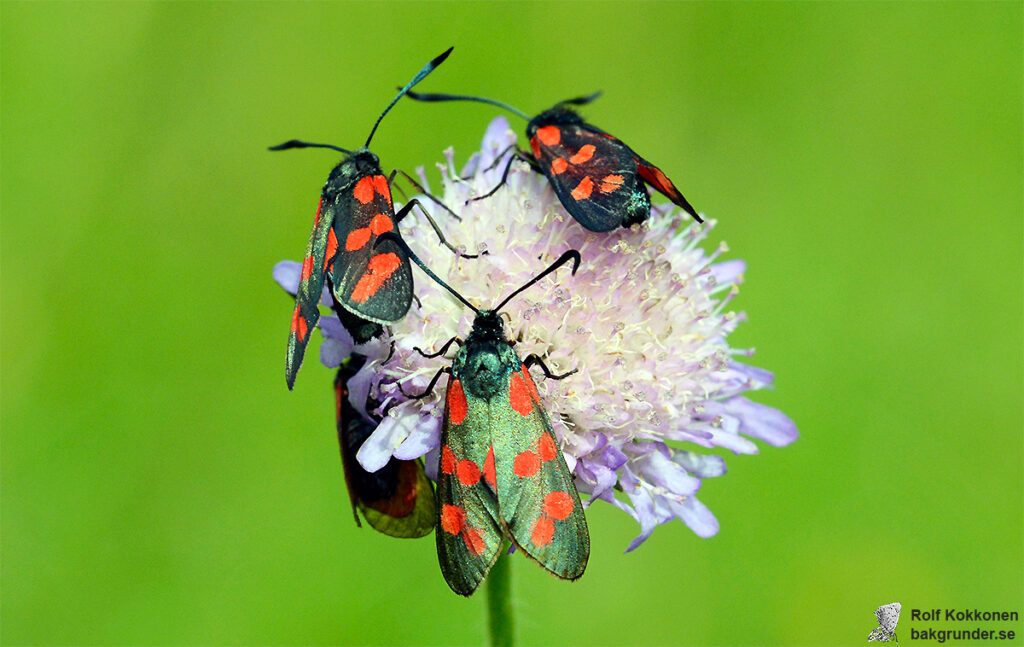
(501, 475)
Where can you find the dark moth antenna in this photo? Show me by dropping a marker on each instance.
(562, 260)
(294, 143)
(429, 98)
(427, 69)
(577, 101)
(571, 254)
(580, 101)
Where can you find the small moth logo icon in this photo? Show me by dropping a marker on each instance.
(888, 615)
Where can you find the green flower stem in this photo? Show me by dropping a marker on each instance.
(499, 603)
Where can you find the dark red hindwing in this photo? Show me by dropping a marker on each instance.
(398, 499)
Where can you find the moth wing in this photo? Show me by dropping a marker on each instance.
(374, 282)
(537, 498)
(878, 634)
(319, 252)
(398, 499)
(594, 176)
(410, 511)
(888, 615)
(469, 538)
(653, 176)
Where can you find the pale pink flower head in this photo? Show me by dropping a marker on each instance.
(644, 321)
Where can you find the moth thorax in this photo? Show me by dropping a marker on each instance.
(487, 326)
(365, 161)
(359, 164)
(558, 116)
(483, 368)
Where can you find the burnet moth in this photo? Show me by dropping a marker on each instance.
(372, 281)
(501, 474)
(598, 178)
(398, 499)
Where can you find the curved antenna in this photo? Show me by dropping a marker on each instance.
(562, 260)
(427, 69)
(579, 101)
(395, 238)
(462, 97)
(294, 143)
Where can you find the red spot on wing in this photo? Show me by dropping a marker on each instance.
(546, 448)
(379, 269)
(299, 326)
(558, 505)
(332, 247)
(381, 224)
(535, 147)
(364, 190)
(489, 474)
(610, 183)
(519, 395)
(583, 189)
(453, 519)
(467, 472)
(457, 406)
(380, 184)
(543, 531)
(474, 542)
(316, 221)
(526, 464)
(357, 238)
(530, 384)
(448, 460)
(307, 268)
(583, 155)
(558, 165)
(549, 135)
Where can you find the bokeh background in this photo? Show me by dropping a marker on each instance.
(160, 485)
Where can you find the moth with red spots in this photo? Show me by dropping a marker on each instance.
(501, 474)
(372, 281)
(598, 178)
(398, 499)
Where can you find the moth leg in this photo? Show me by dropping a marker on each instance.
(437, 230)
(404, 211)
(535, 359)
(497, 159)
(430, 387)
(529, 159)
(519, 154)
(444, 349)
(433, 199)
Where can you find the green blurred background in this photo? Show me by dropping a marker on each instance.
(160, 485)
